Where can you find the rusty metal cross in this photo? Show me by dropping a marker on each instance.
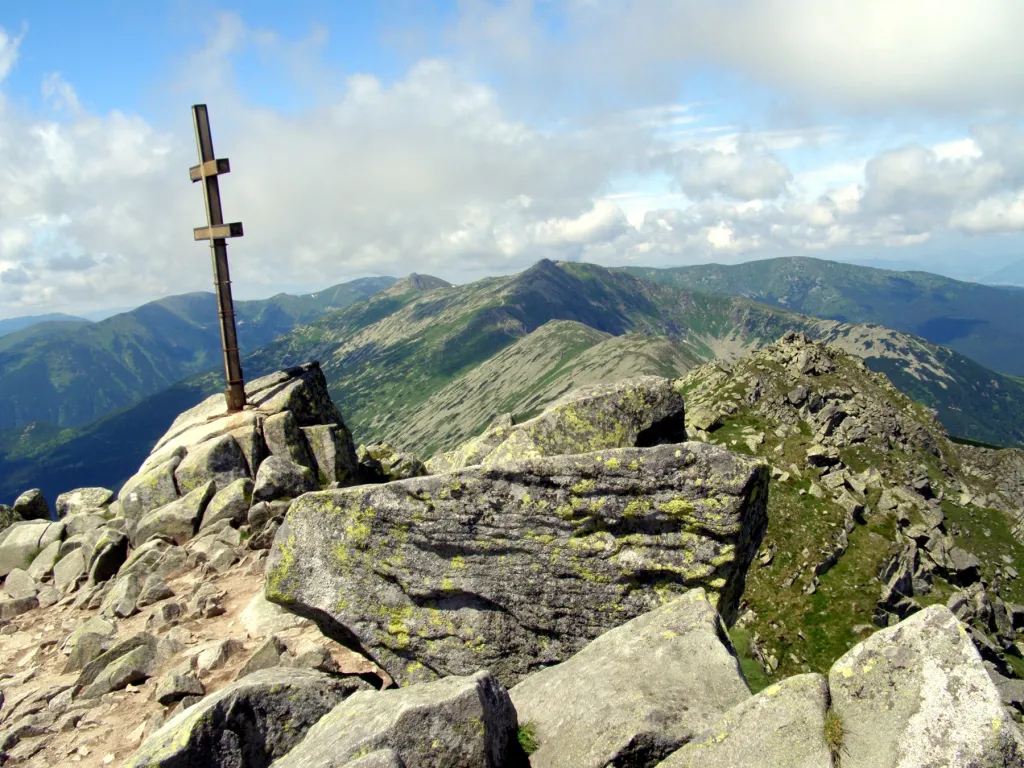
(216, 231)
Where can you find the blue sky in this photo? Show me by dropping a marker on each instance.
(475, 137)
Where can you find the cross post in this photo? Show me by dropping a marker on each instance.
(216, 232)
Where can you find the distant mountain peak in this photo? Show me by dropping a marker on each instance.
(417, 282)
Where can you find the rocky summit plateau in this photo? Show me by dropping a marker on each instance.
(778, 561)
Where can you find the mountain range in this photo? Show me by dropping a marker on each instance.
(70, 373)
(983, 322)
(425, 364)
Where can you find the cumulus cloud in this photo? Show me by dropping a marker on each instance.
(435, 172)
(951, 56)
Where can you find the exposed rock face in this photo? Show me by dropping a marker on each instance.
(644, 411)
(917, 694)
(31, 505)
(781, 727)
(381, 463)
(21, 542)
(637, 693)
(519, 565)
(83, 500)
(458, 722)
(249, 723)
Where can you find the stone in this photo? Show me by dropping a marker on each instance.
(918, 694)
(250, 441)
(283, 437)
(704, 419)
(382, 463)
(781, 727)
(122, 599)
(129, 662)
(48, 596)
(219, 731)
(83, 500)
(473, 452)
(21, 542)
(8, 517)
(206, 602)
(306, 395)
(408, 568)
(42, 564)
(231, 504)
(264, 539)
(266, 656)
(963, 567)
(333, 455)
(151, 489)
(177, 520)
(87, 648)
(642, 411)
(153, 591)
(108, 556)
(216, 655)
(31, 505)
(263, 512)
(261, 617)
(280, 478)
(69, 569)
(218, 460)
(671, 666)
(174, 688)
(15, 607)
(83, 522)
(19, 584)
(457, 721)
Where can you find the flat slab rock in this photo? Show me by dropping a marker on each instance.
(918, 695)
(518, 566)
(637, 693)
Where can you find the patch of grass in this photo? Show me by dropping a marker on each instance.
(527, 735)
(752, 669)
(834, 734)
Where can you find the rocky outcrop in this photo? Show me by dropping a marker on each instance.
(648, 687)
(521, 564)
(31, 505)
(643, 411)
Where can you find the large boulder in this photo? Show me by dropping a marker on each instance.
(129, 662)
(512, 567)
(637, 693)
(333, 454)
(281, 478)
(83, 500)
(781, 727)
(231, 503)
(177, 520)
(151, 489)
(458, 721)
(918, 695)
(643, 411)
(284, 438)
(219, 460)
(31, 505)
(249, 723)
(21, 542)
(8, 517)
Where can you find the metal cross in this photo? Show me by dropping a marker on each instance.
(216, 231)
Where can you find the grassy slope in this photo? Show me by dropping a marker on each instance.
(808, 632)
(70, 374)
(984, 323)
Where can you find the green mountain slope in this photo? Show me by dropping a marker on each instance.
(982, 322)
(12, 324)
(69, 374)
(425, 364)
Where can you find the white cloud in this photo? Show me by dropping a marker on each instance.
(436, 173)
(952, 55)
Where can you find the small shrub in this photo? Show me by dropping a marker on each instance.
(528, 738)
(834, 734)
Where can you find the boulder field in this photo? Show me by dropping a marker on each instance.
(556, 592)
